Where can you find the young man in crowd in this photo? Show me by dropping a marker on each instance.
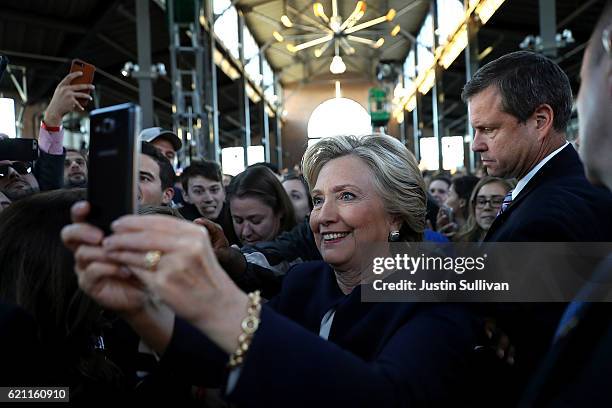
(17, 179)
(75, 169)
(204, 194)
(156, 177)
(166, 141)
(438, 188)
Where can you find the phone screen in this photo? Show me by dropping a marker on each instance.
(114, 153)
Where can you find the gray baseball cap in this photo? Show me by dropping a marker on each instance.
(150, 134)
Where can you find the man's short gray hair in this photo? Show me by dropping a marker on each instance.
(394, 169)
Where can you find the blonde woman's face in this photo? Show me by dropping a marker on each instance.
(348, 213)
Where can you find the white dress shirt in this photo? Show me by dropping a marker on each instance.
(523, 182)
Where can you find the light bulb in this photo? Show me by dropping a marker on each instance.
(318, 10)
(286, 22)
(337, 66)
(278, 36)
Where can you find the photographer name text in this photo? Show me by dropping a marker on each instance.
(440, 286)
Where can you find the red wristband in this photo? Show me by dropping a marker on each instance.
(49, 128)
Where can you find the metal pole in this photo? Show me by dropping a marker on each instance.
(145, 85)
(437, 95)
(198, 99)
(211, 89)
(471, 66)
(548, 27)
(245, 117)
(174, 70)
(402, 127)
(279, 112)
(416, 113)
(265, 125)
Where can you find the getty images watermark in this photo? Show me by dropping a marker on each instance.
(423, 263)
(492, 272)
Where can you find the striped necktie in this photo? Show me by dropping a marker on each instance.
(506, 203)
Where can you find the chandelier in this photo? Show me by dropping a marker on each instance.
(334, 31)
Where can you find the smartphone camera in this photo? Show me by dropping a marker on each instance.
(108, 126)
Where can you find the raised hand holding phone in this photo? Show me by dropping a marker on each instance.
(88, 71)
(67, 98)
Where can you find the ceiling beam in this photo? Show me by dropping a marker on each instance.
(103, 12)
(34, 19)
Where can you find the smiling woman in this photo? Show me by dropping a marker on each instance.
(338, 350)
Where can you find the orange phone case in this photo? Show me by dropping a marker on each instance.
(87, 77)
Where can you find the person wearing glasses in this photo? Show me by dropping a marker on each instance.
(17, 180)
(485, 202)
(4, 201)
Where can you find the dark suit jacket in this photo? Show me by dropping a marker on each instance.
(557, 205)
(578, 367)
(377, 354)
(49, 170)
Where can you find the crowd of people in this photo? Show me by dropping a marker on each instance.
(247, 290)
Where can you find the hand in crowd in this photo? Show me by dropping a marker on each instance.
(107, 282)
(499, 342)
(231, 259)
(66, 99)
(118, 273)
(444, 224)
(218, 240)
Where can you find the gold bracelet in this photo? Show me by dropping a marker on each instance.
(249, 326)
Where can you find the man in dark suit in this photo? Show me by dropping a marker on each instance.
(578, 367)
(519, 106)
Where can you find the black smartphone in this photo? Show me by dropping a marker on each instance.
(3, 63)
(114, 153)
(19, 149)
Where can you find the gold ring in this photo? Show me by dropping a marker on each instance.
(152, 258)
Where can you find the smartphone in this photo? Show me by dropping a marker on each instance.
(19, 149)
(87, 77)
(449, 213)
(114, 152)
(3, 63)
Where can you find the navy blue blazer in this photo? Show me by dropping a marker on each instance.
(377, 354)
(557, 205)
(49, 170)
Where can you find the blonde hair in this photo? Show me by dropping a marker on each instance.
(396, 175)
